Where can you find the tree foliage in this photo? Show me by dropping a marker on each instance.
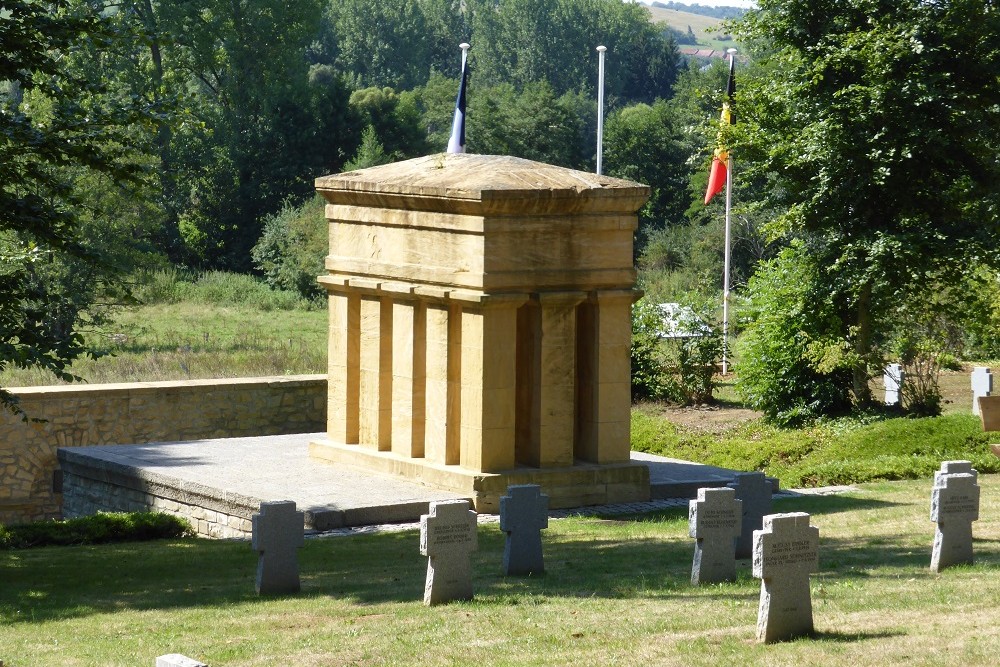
(867, 122)
(57, 130)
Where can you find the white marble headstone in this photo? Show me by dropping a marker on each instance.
(175, 660)
(893, 378)
(278, 533)
(785, 552)
(954, 506)
(715, 518)
(524, 512)
(982, 385)
(448, 537)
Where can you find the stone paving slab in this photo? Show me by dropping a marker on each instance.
(248, 471)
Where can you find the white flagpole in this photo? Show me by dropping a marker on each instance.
(600, 108)
(456, 142)
(725, 273)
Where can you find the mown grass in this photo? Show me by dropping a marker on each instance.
(616, 592)
(841, 451)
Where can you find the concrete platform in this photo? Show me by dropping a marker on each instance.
(219, 484)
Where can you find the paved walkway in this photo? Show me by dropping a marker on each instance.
(279, 468)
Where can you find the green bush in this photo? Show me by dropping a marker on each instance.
(650, 380)
(100, 528)
(293, 247)
(840, 451)
(793, 367)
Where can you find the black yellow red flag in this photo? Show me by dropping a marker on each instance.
(720, 160)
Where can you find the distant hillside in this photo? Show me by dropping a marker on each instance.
(705, 28)
(704, 10)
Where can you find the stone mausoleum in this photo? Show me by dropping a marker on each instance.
(480, 327)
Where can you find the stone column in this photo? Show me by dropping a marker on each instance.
(488, 377)
(606, 401)
(343, 367)
(557, 400)
(409, 352)
(375, 400)
(442, 383)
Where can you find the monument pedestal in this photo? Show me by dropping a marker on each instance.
(569, 486)
(480, 323)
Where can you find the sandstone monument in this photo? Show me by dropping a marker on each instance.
(480, 327)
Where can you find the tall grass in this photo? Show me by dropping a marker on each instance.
(199, 325)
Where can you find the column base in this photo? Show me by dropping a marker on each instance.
(572, 486)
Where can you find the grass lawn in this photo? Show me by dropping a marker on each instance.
(616, 592)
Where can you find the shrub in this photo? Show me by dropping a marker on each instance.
(649, 377)
(293, 247)
(101, 528)
(793, 366)
(679, 370)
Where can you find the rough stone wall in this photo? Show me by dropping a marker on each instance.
(132, 413)
(85, 496)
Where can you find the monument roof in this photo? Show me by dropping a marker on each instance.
(482, 184)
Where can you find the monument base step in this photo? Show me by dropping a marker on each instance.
(572, 486)
(91, 481)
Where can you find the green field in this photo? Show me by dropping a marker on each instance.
(706, 28)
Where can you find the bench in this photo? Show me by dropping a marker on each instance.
(989, 414)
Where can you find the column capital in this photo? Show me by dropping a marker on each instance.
(605, 296)
(561, 298)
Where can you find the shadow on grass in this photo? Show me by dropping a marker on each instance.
(853, 637)
(612, 560)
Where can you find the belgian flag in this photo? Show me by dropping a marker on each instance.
(720, 160)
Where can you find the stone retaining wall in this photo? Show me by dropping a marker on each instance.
(85, 496)
(140, 412)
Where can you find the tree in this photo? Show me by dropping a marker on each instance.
(641, 144)
(525, 41)
(54, 129)
(867, 121)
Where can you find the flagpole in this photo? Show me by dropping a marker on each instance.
(456, 142)
(600, 108)
(728, 253)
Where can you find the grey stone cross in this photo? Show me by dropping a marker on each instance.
(754, 490)
(524, 512)
(954, 506)
(714, 519)
(277, 535)
(785, 552)
(448, 538)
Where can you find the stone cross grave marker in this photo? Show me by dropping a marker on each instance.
(277, 535)
(754, 490)
(524, 512)
(982, 385)
(785, 551)
(893, 378)
(956, 468)
(447, 538)
(714, 519)
(174, 660)
(954, 506)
